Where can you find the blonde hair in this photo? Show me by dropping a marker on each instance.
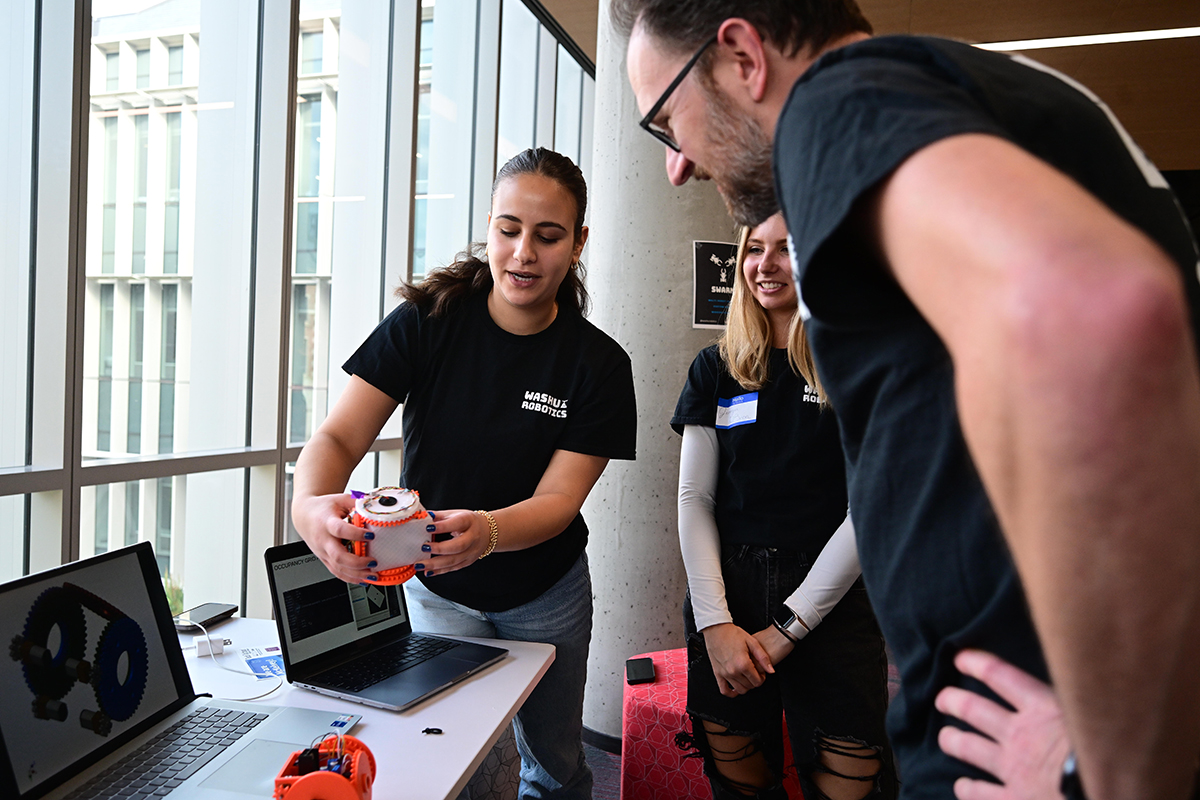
(745, 346)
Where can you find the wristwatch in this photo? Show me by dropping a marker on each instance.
(792, 627)
(1070, 785)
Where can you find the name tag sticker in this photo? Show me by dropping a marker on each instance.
(734, 411)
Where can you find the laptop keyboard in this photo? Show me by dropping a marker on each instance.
(171, 757)
(404, 654)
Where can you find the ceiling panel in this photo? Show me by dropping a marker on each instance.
(993, 21)
(578, 18)
(1152, 87)
(888, 16)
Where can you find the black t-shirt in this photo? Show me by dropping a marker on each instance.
(484, 410)
(933, 557)
(777, 436)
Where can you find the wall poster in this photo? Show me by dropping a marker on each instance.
(713, 265)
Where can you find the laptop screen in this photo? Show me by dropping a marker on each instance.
(320, 613)
(86, 667)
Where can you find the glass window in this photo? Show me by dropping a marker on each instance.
(568, 105)
(164, 522)
(289, 480)
(141, 159)
(12, 538)
(517, 104)
(167, 383)
(175, 65)
(183, 175)
(308, 182)
(112, 71)
(421, 179)
(311, 56)
(316, 143)
(203, 566)
(137, 349)
(115, 513)
(104, 379)
(154, 212)
(170, 264)
(587, 115)
(339, 268)
(304, 333)
(143, 67)
(448, 45)
(16, 176)
(163, 511)
(109, 207)
(102, 498)
(347, 240)
(308, 215)
(133, 507)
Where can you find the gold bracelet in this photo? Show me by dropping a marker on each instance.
(494, 532)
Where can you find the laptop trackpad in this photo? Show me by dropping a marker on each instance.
(253, 770)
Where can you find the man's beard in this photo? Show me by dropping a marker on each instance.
(743, 172)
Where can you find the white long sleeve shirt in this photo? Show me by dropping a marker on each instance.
(831, 576)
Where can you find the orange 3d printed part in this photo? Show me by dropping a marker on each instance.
(398, 520)
(340, 768)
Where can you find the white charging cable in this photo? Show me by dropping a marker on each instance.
(207, 646)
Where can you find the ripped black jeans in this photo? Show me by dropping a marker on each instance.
(831, 689)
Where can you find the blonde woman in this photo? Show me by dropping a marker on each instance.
(777, 618)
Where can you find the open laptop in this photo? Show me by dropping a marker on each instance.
(96, 695)
(355, 642)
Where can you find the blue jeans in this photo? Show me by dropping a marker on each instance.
(549, 726)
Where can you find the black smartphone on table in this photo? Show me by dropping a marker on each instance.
(639, 670)
(207, 615)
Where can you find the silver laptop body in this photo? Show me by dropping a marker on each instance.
(343, 640)
(94, 672)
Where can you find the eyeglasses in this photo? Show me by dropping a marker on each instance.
(647, 121)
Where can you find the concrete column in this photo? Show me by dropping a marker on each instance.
(640, 278)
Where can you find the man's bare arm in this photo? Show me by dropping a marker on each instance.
(1077, 388)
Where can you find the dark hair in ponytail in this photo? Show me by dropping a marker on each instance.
(443, 288)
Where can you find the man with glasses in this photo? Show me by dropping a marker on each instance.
(1001, 295)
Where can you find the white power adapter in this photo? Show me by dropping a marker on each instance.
(209, 647)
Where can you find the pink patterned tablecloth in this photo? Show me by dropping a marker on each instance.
(652, 766)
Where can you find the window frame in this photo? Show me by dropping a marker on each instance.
(64, 62)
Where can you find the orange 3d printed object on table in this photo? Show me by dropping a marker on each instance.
(339, 768)
(398, 520)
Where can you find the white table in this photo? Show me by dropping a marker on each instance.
(410, 765)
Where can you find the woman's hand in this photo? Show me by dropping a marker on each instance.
(777, 646)
(471, 536)
(321, 522)
(739, 662)
(319, 508)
